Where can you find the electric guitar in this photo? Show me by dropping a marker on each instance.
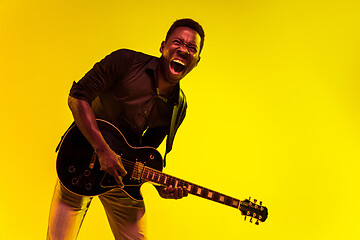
(79, 171)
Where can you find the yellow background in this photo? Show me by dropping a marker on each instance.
(273, 112)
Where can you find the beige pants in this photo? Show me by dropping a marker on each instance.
(67, 212)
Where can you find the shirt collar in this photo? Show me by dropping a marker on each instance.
(151, 70)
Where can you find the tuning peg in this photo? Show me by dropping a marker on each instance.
(245, 218)
(257, 222)
(249, 198)
(260, 203)
(250, 220)
(255, 200)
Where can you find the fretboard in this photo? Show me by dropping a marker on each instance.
(161, 178)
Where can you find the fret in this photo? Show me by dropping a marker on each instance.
(182, 183)
(162, 179)
(143, 174)
(167, 180)
(153, 175)
(150, 174)
(216, 197)
(228, 201)
(236, 203)
(157, 176)
(172, 182)
(209, 194)
(205, 192)
(194, 189)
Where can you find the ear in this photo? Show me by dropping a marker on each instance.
(198, 61)
(162, 46)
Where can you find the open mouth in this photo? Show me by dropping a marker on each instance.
(177, 65)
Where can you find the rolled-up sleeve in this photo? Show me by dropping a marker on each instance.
(102, 76)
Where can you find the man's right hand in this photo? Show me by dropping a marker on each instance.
(85, 119)
(111, 163)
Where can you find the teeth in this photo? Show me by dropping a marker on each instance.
(179, 62)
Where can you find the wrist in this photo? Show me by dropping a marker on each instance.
(101, 147)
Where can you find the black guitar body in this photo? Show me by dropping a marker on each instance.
(77, 173)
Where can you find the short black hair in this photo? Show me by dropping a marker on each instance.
(190, 23)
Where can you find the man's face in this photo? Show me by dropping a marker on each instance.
(180, 53)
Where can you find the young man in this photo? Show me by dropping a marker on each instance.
(140, 95)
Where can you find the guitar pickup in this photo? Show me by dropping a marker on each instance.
(137, 171)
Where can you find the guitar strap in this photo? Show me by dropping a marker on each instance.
(178, 115)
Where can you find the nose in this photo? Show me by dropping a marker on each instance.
(183, 51)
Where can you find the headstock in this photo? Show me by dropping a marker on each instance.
(253, 210)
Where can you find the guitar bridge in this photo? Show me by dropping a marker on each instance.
(138, 169)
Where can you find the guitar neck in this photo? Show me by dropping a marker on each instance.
(154, 176)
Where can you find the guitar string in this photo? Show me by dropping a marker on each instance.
(131, 164)
(215, 197)
(157, 177)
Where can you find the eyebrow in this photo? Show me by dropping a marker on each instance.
(190, 44)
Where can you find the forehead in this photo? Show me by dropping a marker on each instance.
(186, 34)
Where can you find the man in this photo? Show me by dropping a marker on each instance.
(140, 95)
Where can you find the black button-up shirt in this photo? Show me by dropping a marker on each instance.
(122, 89)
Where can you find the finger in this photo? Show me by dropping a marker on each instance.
(121, 168)
(169, 192)
(176, 193)
(118, 178)
(179, 192)
(185, 191)
(163, 192)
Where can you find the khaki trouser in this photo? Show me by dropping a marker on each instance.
(67, 212)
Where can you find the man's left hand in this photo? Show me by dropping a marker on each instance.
(173, 192)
